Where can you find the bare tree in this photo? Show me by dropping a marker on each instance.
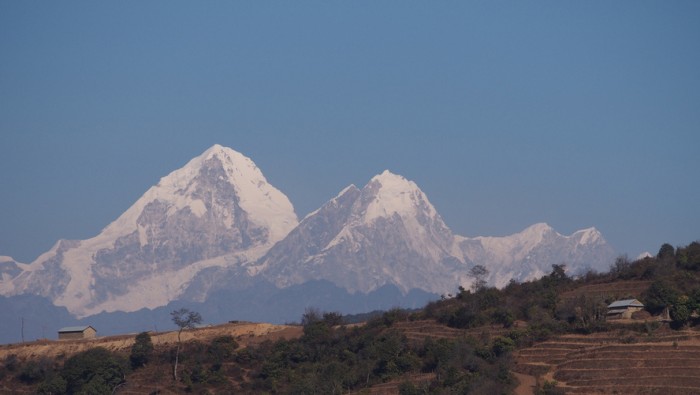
(479, 273)
(184, 319)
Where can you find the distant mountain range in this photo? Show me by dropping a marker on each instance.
(216, 227)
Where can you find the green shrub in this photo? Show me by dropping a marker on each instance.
(94, 371)
(502, 345)
(141, 350)
(32, 372)
(222, 348)
(53, 386)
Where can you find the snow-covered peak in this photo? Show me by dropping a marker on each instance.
(389, 184)
(217, 148)
(265, 205)
(534, 234)
(538, 228)
(388, 178)
(520, 243)
(588, 236)
(218, 205)
(238, 166)
(391, 193)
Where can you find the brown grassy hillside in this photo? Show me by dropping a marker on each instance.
(157, 376)
(245, 333)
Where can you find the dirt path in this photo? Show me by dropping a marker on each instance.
(526, 384)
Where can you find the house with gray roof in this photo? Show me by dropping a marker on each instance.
(624, 308)
(77, 332)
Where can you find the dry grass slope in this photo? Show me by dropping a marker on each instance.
(244, 332)
(153, 378)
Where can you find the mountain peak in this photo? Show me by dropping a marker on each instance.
(391, 180)
(219, 147)
(533, 235)
(255, 195)
(388, 185)
(391, 194)
(233, 161)
(266, 206)
(236, 165)
(223, 153)
(216, 148)
(538, 228)
(588, 236)
(217, 223)
(386, 174)
(218, 204)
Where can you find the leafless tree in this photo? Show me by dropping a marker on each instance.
(479, 273)
(184, 319)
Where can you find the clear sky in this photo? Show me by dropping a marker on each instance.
(506, 114)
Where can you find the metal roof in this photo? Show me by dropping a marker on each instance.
(75, 328)
(625, 303)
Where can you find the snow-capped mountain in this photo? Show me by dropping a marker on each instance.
(218, 210)
(385, 233)
(529, 254)
(389, 233)
(217, 226)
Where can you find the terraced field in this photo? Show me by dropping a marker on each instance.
(417, 331)
(602, 364)
(392, 387)
(616, 290)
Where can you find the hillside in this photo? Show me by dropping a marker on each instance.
(245, 333)
(152, 378)
(548, 336)
(622, 362)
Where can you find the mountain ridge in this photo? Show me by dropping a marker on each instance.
(216, 210)
(216, 223)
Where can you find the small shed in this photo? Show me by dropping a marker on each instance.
(624, 308)
(77, 332)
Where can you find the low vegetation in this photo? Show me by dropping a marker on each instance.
(467, 343)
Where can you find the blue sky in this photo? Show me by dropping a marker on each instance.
(577, 114)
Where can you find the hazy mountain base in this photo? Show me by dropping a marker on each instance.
(30, 317)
